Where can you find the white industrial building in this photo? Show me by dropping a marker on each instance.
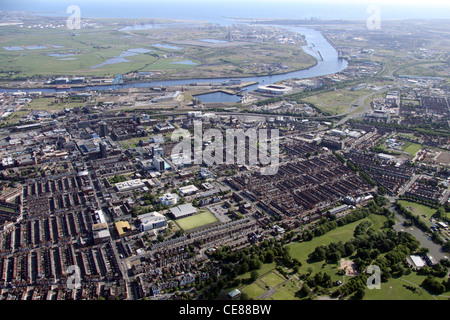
(384, 156)
(183, 210)
(168, 199)
(152, 220)
(417, 261)
(188, 190)
(129, 185)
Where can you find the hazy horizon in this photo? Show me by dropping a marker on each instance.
(215, 10)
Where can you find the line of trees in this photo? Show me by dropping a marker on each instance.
(413, 217)
(435, 286)
(325, 225)
(431, 128)
(426, 202)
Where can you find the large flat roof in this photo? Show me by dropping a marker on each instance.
(122, 227)
(183, 210)
(151, 217)
(418, 261)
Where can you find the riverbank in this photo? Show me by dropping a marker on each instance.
(329, 64)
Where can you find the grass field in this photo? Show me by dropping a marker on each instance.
(336, 102)
(397, 289)
(253, 290)
(420, 210)
(281, 289)
(198, 220)
(49, 104)
(411, 148)
(77, 52)
(425, 70)
(272, 279)
(286, 291)
(303, 249)
(265, 269)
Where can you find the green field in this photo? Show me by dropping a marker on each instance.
(131, 143)
(272, 279)
(419, 210)
(198, 220)
(397, 289)
(254, 290)
(301, 250)
(336, 102)
(286, 291)
(265, 269)
(425, 70)
(78, 52)
(281, 289)
(411, 148)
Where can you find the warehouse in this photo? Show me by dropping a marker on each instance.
(183, 211)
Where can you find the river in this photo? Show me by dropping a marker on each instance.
(317, 46)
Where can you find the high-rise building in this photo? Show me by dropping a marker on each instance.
(103, 151)
(157, 152)
(158, 162)
(103, 129)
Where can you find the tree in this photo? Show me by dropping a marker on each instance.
(440, 213)
(253, 275)
(360, 293)
(446, 284)
(318, 254)
(381, 190)
(304, 291)
(160, 237)
(349, 249)
(307, 235)
(244, 296)
(296, 262)
(432, 285)
(254, 264)
(335, 256)
(269, 256)
(243, 268)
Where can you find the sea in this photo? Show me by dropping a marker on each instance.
(224, 12)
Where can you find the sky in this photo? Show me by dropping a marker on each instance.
(426, 3)
(324, 9)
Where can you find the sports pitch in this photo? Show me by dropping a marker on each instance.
(199, 220)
